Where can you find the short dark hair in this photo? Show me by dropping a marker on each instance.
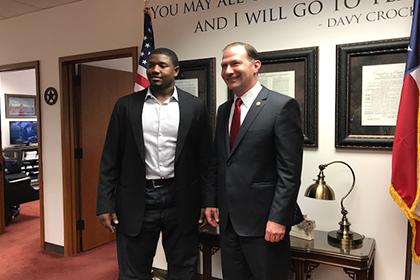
(168, 52)
(250, 50)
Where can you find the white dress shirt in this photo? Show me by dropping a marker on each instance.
(247, 100)
(160, 131)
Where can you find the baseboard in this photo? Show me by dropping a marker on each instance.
(161, 274)
(53, 248)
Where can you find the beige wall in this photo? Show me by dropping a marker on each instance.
(95, 25)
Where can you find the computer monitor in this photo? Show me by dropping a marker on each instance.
(23, 132)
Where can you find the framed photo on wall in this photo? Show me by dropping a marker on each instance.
(369, 80)
(197, 77)
(20, 106)
(294, 72)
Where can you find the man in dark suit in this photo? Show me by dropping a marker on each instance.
(152, 171)
(255, 171)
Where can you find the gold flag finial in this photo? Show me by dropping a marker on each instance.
(146, 7)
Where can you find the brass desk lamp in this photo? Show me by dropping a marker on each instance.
(320, 190)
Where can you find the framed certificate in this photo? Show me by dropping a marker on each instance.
(197, 77)
(294, 72)
(369, 81)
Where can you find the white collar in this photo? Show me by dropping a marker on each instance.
(173, 97)
(249, 96)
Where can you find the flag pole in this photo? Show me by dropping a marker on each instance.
(408, 254)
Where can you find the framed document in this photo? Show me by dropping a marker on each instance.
(294, 72)
(198, 78)
(369, 81)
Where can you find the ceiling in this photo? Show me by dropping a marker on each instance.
(14, 8)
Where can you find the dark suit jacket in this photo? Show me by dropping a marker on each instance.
(122, 170)
(259, 179)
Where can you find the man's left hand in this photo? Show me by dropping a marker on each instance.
(274, 232)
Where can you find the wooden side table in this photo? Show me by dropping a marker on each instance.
(209, 244)
(357, 263)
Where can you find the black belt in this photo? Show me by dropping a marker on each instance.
(158, 183)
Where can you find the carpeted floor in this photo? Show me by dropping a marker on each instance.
(21, 257)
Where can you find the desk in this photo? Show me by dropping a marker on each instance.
(357, 263)
(26, 157)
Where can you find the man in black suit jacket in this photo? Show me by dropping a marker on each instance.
(153, 168)
(255, 171)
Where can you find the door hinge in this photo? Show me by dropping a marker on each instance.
(78, 153)
(80, 225)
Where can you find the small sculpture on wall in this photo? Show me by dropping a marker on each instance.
(50, 96)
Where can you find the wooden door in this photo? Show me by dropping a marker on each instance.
(99, 90)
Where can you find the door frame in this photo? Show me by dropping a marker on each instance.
(69, 135)
(17, 67)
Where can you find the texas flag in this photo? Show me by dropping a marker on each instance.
(405, 184)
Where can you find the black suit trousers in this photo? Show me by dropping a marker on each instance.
(135, 254)
(253, 258)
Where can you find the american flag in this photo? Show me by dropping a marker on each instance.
(405, 184)
(148, 45)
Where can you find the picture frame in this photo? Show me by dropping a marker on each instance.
(295, 70)
(365, 117)
(20, 106)
(304, 63)
(197, 76)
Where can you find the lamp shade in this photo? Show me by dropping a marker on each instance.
(320, 189)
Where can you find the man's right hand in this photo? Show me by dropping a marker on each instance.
(108, 220)
(212, 216)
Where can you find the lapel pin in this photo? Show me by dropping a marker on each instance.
(258, 104)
